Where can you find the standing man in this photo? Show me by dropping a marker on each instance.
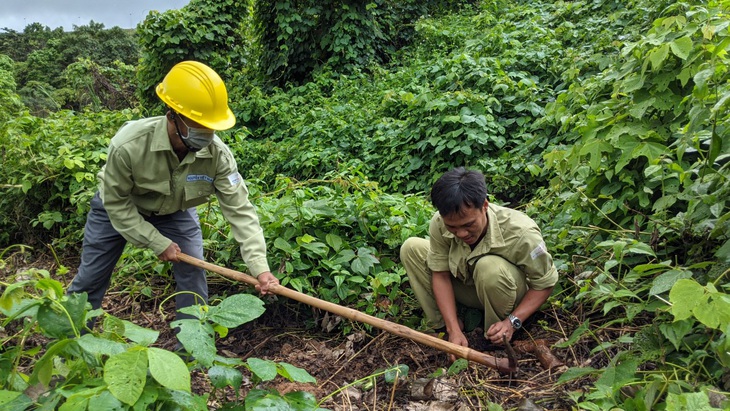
(158, 170)
(480, 255)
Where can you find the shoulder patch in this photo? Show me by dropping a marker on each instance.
(235, 179)
(541, 249)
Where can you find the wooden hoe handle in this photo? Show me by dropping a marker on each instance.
(500, 364)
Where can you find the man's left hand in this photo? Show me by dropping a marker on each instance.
(267, 282)
(497, 330)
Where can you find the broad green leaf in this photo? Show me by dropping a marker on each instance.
(43, 369)
(100, 346)
(617, 375)
(140, 335)
(576, 372)
(221, 377)
(665, 281)
(684, 296)
(264, 369)
(334, 241)
(458, 366)
(260, 400)
(283, 245)
(595, 149)
(168, 369)
(126, 374)
(14, 401)
(12, 295)
(149, 396)
(105, 401)
(301, 401)
(652, 151)
(294, 374)
(53, 316)
(639, 248)
(681, 47)
(397, 372)
(658, 56)
(723, 253)
(693, 401)
(714, 312)
(236, 310)
(676, 331)
(198, 339)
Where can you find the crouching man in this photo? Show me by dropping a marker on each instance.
(481, 255)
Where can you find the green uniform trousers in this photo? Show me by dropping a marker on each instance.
(496, 286)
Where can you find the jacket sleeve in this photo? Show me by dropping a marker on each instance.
(115, 192)
(438, 253)
(232, 196)
(535, 260)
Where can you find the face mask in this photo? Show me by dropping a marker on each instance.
(197, 138)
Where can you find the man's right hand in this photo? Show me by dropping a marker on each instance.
(170, 253)
(457, 338)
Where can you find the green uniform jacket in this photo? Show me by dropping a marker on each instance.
(144, 177)
(510, 234)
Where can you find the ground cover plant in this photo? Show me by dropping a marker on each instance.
(606, 121)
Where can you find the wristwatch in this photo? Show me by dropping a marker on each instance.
(516, 322)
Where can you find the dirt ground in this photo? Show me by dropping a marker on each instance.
(339, 362)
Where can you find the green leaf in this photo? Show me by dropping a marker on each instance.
(301, 401)
(574, 373)
(283, 245)
(126, 373)
(693, 401)
(665, 281)
(140, 335)
(294, 374)
(168, 369)
(684, 296)
(617, 376)
(682, 47)
(14, 401)
(676, 331)
(264, 369)
(723, 253)
(396, 372)
(236, 310)
(458, 366)
(221, 377)
(198, 340)
(53, 316)
(714, 311)
(260, 400)
(639, 248)
(334, 241)
(100, 346)
(658, 56)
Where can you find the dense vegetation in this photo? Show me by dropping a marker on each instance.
(607, 121)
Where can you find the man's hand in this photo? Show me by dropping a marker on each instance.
(170, 253)
(497, 330)
(458, 338)
(267, 282)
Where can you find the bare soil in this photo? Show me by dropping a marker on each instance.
(341, 364)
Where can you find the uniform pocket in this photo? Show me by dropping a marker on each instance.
(151, 188)
(197, 193)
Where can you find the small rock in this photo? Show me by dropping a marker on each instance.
(527, 405)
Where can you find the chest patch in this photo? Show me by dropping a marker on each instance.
(199, 177)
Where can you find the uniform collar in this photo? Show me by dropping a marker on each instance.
(492, 238)
(161, 141)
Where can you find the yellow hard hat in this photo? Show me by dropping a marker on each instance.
(197, 92)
